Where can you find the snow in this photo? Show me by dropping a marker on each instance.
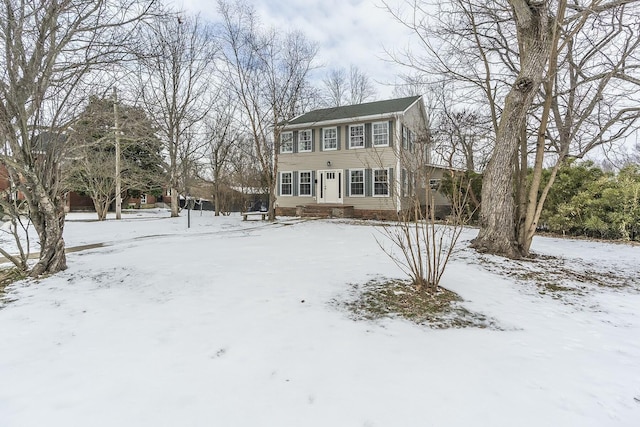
(233, 323)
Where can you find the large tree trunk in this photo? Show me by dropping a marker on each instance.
(175, 203)
(497, 225)
(48, 219)
(534, 203)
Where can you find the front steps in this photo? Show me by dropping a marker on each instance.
(324, 211)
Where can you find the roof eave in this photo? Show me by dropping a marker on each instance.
(371, 117)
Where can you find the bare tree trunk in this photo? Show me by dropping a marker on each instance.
(520, 180)
(216, 196)
(175, 206)
(101, 207)
(532, 213)
(497, 229)
(48, 221)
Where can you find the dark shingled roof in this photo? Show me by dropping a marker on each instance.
(359, 110)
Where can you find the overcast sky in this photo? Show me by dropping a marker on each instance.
(347, 32)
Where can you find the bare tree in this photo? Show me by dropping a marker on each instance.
(336, 86)
(90, 166)
(350, 87)
(360, 87)
(223, 137)
(50, 49)
(175, 76)
(13, 207)
(583, 99)
(268, 73)
(411, 85)
(591, 80)
(420, 244)
(461, 138)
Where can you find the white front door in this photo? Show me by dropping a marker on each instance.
(329, 186)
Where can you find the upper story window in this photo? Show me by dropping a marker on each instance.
(381, 134)
(286, 142)
(330, 139)
(304, 141)
(356, 136)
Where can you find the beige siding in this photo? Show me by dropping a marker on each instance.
(342, 159)
(358, 158)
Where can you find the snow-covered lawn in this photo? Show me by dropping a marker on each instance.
(233, 323)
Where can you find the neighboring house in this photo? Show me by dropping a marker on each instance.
(352, 161)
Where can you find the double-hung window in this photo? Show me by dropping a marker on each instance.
(405, 138)
(304, 141)
(329, 139)
(380, 182)
(356, 136)
(143, 199)
(405, 182)
(356, 182)
(304, 186)
(381, 134)
(286, 183)
(412, 140)
(286, 142)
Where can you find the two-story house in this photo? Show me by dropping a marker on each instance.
(353, 161)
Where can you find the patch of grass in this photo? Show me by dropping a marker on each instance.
(562, 279)
(7, 277)
(379, 299)
(554, 287)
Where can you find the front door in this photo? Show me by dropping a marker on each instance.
(330, 186)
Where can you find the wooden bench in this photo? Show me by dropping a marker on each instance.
(263, 215)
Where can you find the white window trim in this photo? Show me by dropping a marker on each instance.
(373, 134)
(324, 147)
(143, 199)
(355, 147)
(373, 182)
(364, 190)
(300, 184)
(282, 183)
(282, 150)
(300, 150)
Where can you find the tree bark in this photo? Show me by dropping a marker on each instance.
(497, 233)
(101, 206)
(48, 221)
(533, 202)
(175, 202)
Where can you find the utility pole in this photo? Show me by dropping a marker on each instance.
(117, 137)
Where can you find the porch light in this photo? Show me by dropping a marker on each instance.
(328, 163)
